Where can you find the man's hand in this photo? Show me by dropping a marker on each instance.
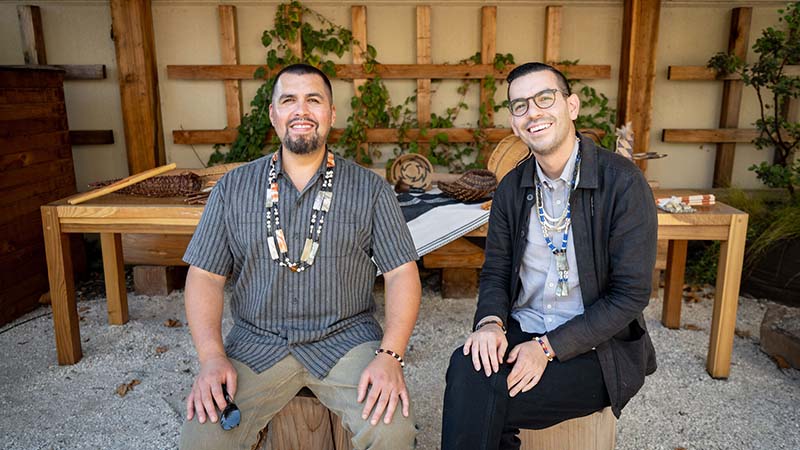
(529, 364)
(488, 345)
(388, 386)
(207, 389)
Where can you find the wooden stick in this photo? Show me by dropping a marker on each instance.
(133, 179)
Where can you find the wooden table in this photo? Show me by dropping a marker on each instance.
(115, 214)
(720, 222)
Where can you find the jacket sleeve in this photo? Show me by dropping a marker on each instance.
(494, 297)
(631, 257)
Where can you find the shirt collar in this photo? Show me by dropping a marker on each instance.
(320, 170)
(566, 174)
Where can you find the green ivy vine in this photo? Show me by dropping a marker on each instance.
(373, 107)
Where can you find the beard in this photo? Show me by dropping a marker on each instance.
(302, 145)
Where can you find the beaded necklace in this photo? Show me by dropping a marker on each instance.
(558, 224)
(322, 203)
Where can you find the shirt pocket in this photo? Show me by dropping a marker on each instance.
(250, 233)
(340, 238)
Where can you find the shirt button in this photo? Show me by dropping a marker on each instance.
(549, 306)
(558, 202)
(529, 197)
(549, 319)
(551, 284)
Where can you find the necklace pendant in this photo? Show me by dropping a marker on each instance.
(561, 261)
(273, 252)
(306, 250)
(562, 288)
(281, 240)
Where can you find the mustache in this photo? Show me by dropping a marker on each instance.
(300, 119)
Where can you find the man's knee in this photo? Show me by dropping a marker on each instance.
(401, 433)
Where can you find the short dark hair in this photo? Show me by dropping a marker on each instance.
(532, 67)
(303, 69)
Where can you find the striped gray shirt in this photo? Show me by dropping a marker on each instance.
(319, 314)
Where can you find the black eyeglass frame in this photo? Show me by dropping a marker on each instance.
(533, 97)
(231, 416)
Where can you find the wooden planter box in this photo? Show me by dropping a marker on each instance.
(35, 169)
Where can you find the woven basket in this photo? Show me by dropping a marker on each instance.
(412, 169)
(474, 185)
(174, 185)
(507, 154)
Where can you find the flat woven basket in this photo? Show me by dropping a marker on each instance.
(508, 153)
(474, 185)
(171, 185)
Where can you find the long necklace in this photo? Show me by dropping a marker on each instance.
(558, 224)
(278, 249)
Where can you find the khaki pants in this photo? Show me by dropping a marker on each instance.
(261, 396)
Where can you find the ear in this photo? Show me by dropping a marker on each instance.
(271, 115)
(574, 106)
(333, 114)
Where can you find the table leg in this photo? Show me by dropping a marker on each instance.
(673, 283)
(114, 271)
(62, 288)
(726, 301)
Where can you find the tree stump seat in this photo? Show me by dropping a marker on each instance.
(596, 431)
(306, 424)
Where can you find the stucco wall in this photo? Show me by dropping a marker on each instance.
(186, 32)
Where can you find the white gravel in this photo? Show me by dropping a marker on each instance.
(47, 406)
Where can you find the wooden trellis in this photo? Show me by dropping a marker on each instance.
(231, 72)
(34, 51)
(728, 133)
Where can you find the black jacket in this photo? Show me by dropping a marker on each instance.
(614, 226)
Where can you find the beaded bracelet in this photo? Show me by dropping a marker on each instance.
(392, 354)
(546, 350)
(496, 322)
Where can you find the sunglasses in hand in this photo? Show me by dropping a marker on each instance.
(231, 416)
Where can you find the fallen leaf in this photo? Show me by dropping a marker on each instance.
(173, 323)
(83, 309)
(680, 448)
(691, 327)
(161, 349)
(124, 388)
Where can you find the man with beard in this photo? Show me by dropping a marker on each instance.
(558, 332)
(300, 233)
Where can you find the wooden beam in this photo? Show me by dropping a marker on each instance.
(552, 34)
(358, 17)
(91, 137)
(638, 70)
(30, 27)
(385, 71)
(424, 57)
(229, 47)
(488, 52)
(84, 71)
(709, 136)
(374, 135)
(703, 73)
(132, 28)
(732, 97)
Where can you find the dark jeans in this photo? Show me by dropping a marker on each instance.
(479, 414)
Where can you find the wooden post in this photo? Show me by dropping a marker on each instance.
(732, 97)
(132, 29)
(358, 19)
(638, 70)
(673, 284)
(424, 57)
(30, 26)
(62, 288)
(114, 270)
(488, 52)
(726, 301)
(552, 34)
(230, 55)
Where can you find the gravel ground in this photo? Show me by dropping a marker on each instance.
(47, 406)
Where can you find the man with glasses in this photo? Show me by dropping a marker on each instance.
(300, 233)
(558, 332)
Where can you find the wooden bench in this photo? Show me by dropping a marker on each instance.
(596, 431)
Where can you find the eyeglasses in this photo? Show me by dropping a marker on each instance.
(543, 99)
(231, 416)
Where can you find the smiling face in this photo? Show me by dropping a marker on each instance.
(302, 112)
(544, 131)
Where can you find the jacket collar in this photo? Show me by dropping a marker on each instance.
(589, 168)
